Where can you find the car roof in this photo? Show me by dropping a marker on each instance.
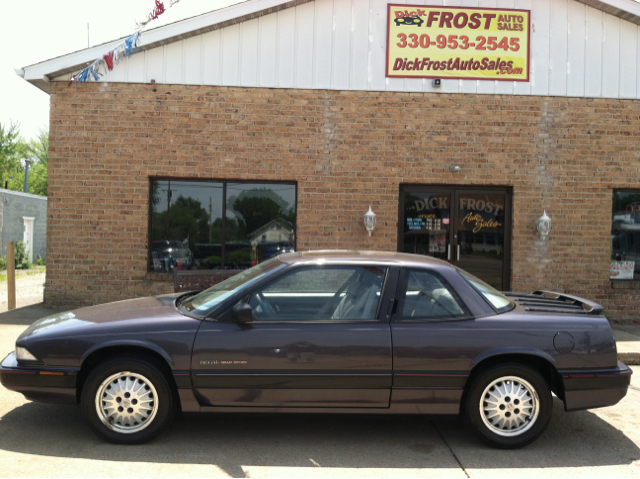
(366, 256)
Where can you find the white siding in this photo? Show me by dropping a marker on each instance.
(286, 49)
(576, 50)
(305, 18)
(359, 45)
(558, 47)
(136, 68)
(193, 60)
(267, 46)
(611, 57)
(377, 45)
(577, 47)
(593, 64)
(212, 53)
(155, 65)
(174, 71)
(341, 73)
(249, 48)
(231, 51)
(628, 59)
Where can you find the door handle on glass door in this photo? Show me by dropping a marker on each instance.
(449, 252)
(458, 253)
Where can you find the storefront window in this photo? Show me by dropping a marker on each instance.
(625, 235)
(191, 228)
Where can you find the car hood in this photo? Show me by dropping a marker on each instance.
(132, 310)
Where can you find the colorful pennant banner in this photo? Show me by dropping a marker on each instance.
(107, 62)
(155, 12)
(124, 50)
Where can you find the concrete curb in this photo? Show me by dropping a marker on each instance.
(630, 359)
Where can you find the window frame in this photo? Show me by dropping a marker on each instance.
(613, 193)
(400, 296)
(224, 182)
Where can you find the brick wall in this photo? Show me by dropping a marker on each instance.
(346, 150)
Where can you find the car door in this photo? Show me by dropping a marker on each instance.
(433, 342)
(320, 338)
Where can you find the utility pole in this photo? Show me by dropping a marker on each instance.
(11, 275)
(26, 174)
(168, 190)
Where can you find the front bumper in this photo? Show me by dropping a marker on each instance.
(38, 382)
(589, 389)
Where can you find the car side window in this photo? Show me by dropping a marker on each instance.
(321, 293)
(425, 296)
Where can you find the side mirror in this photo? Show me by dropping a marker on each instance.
(242, 313)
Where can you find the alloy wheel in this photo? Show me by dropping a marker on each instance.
(126, 402)
(509, 406)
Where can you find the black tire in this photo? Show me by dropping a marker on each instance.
(142, 394)
(520, 427)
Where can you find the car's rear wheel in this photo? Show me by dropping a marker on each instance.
(508, 406)
(127, 400)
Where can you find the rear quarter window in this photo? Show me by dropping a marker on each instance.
(424, 295)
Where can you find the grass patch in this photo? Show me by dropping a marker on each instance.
(21, 273)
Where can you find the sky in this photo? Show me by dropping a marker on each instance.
(32, 31)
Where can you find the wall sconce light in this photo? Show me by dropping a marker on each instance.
(454, 168)
(543, 224)
(370, 220)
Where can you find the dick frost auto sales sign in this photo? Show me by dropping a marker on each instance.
(464, 43)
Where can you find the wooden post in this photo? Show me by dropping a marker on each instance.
(11, 274)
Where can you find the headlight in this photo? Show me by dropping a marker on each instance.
(22, 354)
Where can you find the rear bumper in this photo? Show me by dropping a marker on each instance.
(39, 383)
(584, 389)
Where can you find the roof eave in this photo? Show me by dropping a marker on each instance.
(41, 73)
(626, 9)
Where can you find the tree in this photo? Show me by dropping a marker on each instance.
(256, 208)
(257, 211)
(186, 219)
(234, 231)
(259, 193)
(12, 150)
(37, 151)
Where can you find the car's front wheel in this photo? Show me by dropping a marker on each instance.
(127, 400)
(508, 406)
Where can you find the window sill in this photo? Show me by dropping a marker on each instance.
(625, 283)
(163, 276)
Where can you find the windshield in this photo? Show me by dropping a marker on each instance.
(202, 303)
(499, 301)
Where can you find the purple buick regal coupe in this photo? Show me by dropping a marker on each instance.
(327, 331)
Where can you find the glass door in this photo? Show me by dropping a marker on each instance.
(480, 234)
(427, 223)
(469, 227)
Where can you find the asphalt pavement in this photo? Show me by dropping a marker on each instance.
(44, 440)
